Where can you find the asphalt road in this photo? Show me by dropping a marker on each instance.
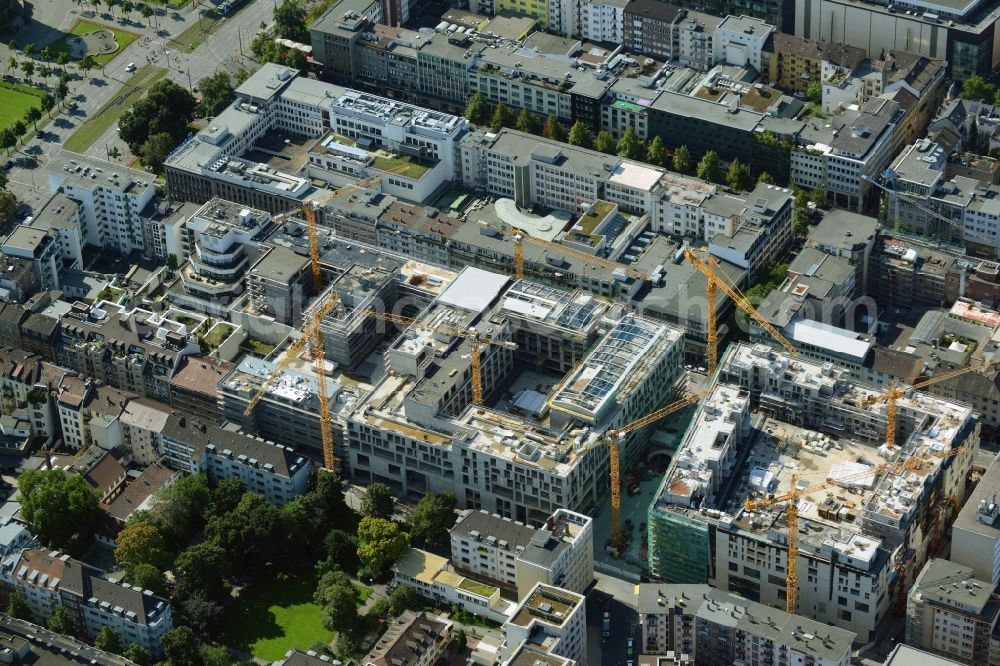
(90, 93)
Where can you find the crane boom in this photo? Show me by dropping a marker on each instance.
(739, 299)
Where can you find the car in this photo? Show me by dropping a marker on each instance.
(9, 164)
(130, 67)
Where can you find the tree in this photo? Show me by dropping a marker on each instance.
(708, 167)
(341, 608)
(738, 176)
(48, 103)
(800, 221)
(342, 549)
(29, 48)
(461, 639)
(87, 63)
(814, 92)
(8, 207)
(141, 543)
(215, 655)
(581, 135)
(62, 59)
(62, 90)
(380, 543)
(62, 511)
(502, 116)
(12, 46)
(527, 122)
(179, 513)
(147, 13)
(402, 598)
(20, 129)
(216, 92)
(18, 607)
(172, 265)
(111, 5)
(8, 139)
(28, 67)
(166, 108)
(247, 533)
(477, 109)
(33, 115)
(200, 613)
(46, 54)
(241, 75)
(817, 197)
(977, 89)
(11, 63)
(290, 21)
(155, 150)
(107, 640)
(138, 654)
(62, 622)
(202, 567)
(303, 522)
(180, 646)
(114, 153)
(377, 501)
(682, 160)
(605, 143)
(147, 577)
(765, 179)
(630, 145)
(656, 153)
(227, 495)
(433, 516)
(328, 582)
(554, 129)
(348, 645)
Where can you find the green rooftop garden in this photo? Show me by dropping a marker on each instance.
(476, 587)
(401, 165)
(216, 336)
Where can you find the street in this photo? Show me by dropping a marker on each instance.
(52, 18)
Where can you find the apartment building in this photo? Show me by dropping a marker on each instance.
(852, 544)
(413, 638)
(715, 627)
(512, 554)
(603, 20)
(975, 533)
(40, 250)
(842, 155)
(90, 414)
(63, 219)
(949, 612)
(761, 231)
(48, 580)
(142, 422)
(110, 198)
(277, 472)
(194, 388)
(650, 28)
(552, 619)
(28, 386)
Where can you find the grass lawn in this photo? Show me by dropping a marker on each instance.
(402, 165)
(85, 27)
(15, 100)
(272, 617)
(109, 114)
(476, 587)
(257, 347)
(217, 336)
(193, 37)
(363, 592)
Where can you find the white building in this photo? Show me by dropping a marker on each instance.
(560, 553)
(41, 249)
(603, 20)
(551, 618)
(715, 627)
(975, 534)
(48, 580)
(739, 41)
(110, 196)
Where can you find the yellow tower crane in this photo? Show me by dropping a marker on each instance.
(896, 392)
(720, 281)
(313, 336)
(792, 510)
(478, 342)
(613, 436)
(520, 238)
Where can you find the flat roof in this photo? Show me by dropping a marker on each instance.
(474, 289)
(840, 340)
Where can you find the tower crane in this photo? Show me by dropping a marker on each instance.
(792, 510)
(313, 336)
(520, 238)
(896, 392)
(612, 439)
(718, 280)
(478, 342)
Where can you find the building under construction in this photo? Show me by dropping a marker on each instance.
(771, 425)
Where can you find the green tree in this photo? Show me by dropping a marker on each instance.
(147, 13)
(8, 139)
(403, 597)
(554, 129)
(28, 67)
(605, 143)
(290, 21)
(87, 63)
(202, 567)
(329, 581)
(18, 607)
(107, 640)
(377, 501)
(147, 577)
(380, 543)
(477, 109)
(12, 46)
(166, 108)
(172, 265)
(155, 149)
(217, 92)
(227, 495)
(137, 654)
(215, 655)
(814, 92)
(62, 622)
(62, 59)
(527, 122)
(179, 513)
(630, 145)
(581, 135)
(817, 197)
(682, 160)
(181, 647)
(341, 548)
(247, 533)
(433, 516)
(708, 167)
(341, 608)
(62, 511)
(11, 63)
(738, 176)
(8, 207)
(62, 90)
(800, 219)
(304, 525)
(141, 543)
(200, 613)
(33, 115)
(502, 116)
(656, 154)
(48, 103)
(765, 179)
(977, 89)
(348, 646)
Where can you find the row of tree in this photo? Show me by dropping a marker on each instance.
(157, 122)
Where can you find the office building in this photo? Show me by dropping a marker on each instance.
(975, 534)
